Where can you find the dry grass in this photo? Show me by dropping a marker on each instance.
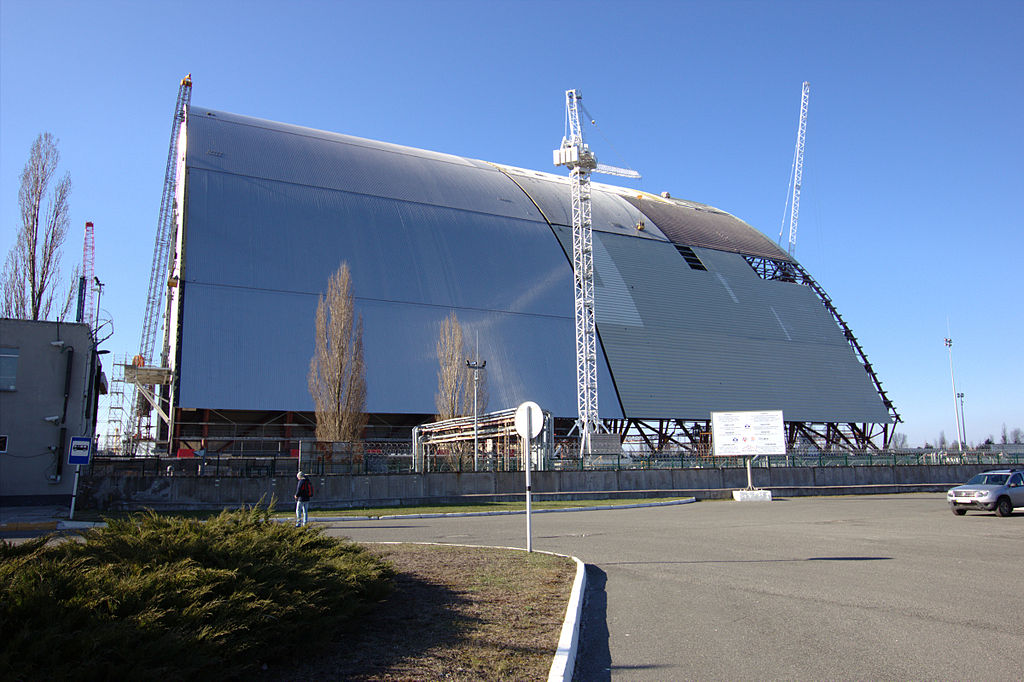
(455, 613)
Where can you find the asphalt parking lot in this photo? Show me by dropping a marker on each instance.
(860, 587)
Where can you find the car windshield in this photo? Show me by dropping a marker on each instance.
(989, 479)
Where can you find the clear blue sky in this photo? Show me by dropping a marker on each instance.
(914, 173)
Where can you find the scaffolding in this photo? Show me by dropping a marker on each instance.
(448, 445)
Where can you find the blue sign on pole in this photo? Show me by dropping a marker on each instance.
(80, 450)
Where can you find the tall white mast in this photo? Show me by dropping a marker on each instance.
(798, 167)
(580, 161)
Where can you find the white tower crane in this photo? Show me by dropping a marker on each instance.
(577, 157)
(798, 168)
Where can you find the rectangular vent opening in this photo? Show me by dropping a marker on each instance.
(691, 258)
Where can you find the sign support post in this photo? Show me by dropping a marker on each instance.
(79, 453)
(529, 421)
(749, 435)
(528, 464)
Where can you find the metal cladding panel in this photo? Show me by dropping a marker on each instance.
(250, 232)
(234, 358)
(218, 141)
(609, 211)
(692, 224)
(682, 342)
(259, 252)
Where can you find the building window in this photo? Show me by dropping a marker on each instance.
(8, 368)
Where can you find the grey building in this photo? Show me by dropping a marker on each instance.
(697, 311)
(50, 378)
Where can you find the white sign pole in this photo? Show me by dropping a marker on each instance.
(79, 453)
(529, 421)
(74, 493)
(527, 463)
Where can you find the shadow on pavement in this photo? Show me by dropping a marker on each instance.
(593, 657)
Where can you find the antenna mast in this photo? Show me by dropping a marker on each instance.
(798, 167)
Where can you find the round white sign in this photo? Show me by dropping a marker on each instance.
(536, 418)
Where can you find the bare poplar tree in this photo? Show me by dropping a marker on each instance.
(31, 271)
(337, 374)
(451, 373)
(454, 396)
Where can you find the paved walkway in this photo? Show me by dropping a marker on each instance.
(860, 587)
(867, 587)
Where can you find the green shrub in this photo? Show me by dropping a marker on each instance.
(155, 597)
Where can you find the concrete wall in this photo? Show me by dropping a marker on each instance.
(161, 492)
(34, 469)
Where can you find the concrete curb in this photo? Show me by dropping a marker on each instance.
(441, 515)
(22, 526)
(79, 525)
(564, 663)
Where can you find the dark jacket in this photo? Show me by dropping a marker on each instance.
(303, 492)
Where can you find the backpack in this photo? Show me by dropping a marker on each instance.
(307, 488)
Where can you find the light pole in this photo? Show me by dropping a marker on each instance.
(476, 367)
(956, 411)
(963, 419)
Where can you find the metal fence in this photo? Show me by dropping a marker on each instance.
(340, 459)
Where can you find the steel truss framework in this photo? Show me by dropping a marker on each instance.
(771, 269)
(694, 436)
(228, 430)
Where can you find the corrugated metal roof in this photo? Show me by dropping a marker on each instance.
(272, 210)
(683, 342)
(227, 143)
(609, 211)
(259, 251)
(694, 224)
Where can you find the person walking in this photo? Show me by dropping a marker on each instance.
(303, 494)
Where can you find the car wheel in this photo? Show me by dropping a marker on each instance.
(958, 511)
(1004, 507)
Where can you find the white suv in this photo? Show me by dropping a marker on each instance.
(999, 491)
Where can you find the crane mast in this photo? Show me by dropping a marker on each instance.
(577, 157)
(161, 247)
(798, 167)
(88, 274)
(580, 161)
(158, 277)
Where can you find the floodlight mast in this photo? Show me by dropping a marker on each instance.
(577, 157)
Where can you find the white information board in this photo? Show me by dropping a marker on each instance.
(745, 434)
